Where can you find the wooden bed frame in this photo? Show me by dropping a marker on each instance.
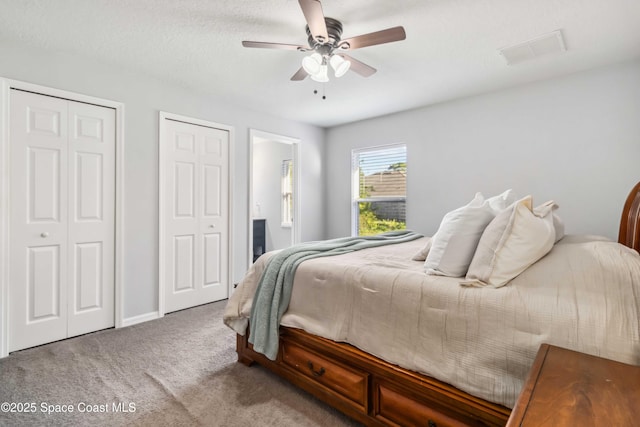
(378, 393)
(630, 222)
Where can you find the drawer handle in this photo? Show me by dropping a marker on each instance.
(318, 373)
(432, 423)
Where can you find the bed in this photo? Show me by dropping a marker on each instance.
(426, 351)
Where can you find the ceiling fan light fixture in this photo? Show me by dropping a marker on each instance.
(340, 65)
(321, 76)
(312, 63)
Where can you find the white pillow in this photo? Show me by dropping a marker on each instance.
(455, 241)
(501, 201)
(515, 239)
(422, 254)
(453, 245)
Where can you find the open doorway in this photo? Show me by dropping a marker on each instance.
(274, 202)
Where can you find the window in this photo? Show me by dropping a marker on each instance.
(379, 182)
(286, 181)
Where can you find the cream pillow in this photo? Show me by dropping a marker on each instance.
(558, 224)
(422, 254)
(453, 245)
(515, 239)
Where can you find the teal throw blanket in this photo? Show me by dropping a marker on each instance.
(274, 289)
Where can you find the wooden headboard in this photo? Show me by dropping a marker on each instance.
(630, 221)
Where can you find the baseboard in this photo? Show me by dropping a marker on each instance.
(129, 321)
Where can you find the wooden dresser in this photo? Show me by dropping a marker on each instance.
(567, 388)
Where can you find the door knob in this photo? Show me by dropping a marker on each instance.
(44, 234)
(212, 226)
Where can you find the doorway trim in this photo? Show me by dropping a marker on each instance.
(162, 235)
(255, 134)
(5, 103)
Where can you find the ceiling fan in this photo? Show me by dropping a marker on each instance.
(327, 46)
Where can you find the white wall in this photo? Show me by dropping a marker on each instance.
(267, 190)
(574, 139)
(144, 97)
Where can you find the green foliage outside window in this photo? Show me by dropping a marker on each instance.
(370, 224)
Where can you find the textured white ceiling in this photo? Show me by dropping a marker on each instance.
(451, 50)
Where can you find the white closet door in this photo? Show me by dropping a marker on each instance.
(38, 211)
(91, 218)
(196, 215)
(62, 219)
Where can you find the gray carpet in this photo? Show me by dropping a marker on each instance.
(180, 370)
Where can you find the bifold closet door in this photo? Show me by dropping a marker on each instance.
(197, 215)
(62, 217)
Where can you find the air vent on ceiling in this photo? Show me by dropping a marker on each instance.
(531, 49)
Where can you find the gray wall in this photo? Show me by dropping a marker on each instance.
(267, 172)
(144, 97)
(574, 139)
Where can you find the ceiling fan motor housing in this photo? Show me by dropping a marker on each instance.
(325, 47)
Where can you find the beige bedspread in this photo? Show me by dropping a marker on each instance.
(584, 295)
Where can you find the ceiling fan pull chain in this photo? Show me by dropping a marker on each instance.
(315, 91)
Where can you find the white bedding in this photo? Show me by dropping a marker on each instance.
(584, 295)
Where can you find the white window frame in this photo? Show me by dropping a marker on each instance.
(355, 181)
(286, 191)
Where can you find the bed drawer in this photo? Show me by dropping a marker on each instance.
(344, 380)
(395, 406)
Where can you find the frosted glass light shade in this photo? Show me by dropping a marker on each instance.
(340, 65)
(321, 76)
(312, 63)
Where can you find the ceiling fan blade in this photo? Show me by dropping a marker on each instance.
(301, 74)
(359, 67)
(379, 37)
(265, 45)
(312, 10)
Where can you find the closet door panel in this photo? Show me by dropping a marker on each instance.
(38, 214)
(92, 222)
(196, 214)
